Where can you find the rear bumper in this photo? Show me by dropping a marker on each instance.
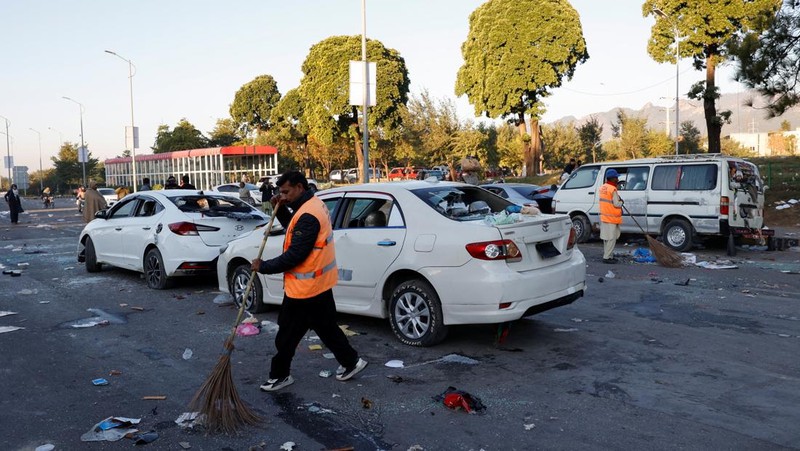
(744, 232)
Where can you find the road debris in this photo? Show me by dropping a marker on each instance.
(4, 329)
(111, 429)
(394, 364)
(190, 419)
(456, 399)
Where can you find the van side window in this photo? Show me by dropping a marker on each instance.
(582, 178)
(697, 177)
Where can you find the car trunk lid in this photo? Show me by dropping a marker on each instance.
(541, 239)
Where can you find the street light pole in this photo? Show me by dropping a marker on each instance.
(83, 144)
(41, 171)
(8, 152)
(365, 139)
(674, 24)
(133, 129)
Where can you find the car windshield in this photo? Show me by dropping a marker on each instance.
(216, 206)
(462, 203)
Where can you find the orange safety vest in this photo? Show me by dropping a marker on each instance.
(608, 212)
(317, 273)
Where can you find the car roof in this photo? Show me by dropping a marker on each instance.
(669, 159)
(393, 187)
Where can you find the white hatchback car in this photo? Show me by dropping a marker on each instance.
(427, 255)
(165, 233)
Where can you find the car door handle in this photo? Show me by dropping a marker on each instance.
(145, 228)
(387, 243)
(117, 228)
(591, 193)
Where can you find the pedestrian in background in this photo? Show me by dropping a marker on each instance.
(185, 182)
(245, 195)
(610, 215)
(93, 202)
(145, 184)
(308, 264)
(267, 191)
(14, 203)
(171, 183)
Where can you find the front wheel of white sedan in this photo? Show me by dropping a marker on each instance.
(154, 272)
(237, 286)
(415, 314)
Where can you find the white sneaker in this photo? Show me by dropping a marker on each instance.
(277, 384)
(350, 372)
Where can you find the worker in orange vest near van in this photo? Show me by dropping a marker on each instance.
(308, 264)
(610, 215)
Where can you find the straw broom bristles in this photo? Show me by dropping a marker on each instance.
(664, 255)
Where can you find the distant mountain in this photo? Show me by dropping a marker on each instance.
(744, 119)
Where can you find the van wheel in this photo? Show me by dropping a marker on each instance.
(678, 235)
(583, 228)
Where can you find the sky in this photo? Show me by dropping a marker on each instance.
(191, 56)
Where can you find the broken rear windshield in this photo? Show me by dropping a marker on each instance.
(463, 202)
(216, 206)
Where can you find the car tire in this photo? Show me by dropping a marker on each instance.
(237, 284)
(583, 228)
(415, 314)
(91, 256)
(154, 273)
(678, 235)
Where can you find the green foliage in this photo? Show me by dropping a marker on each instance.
(68, 172)
(786, 126)
(769, 61)
(324, 89)
(225, 133)
(252, 105)
(703, 28)
(591, 148)
(690, 139)
(516, 52)
(562, 142)
(508, 145)
(429, 127)
(185, 136)
(733, 148)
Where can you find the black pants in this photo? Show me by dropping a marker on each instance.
(296, 317)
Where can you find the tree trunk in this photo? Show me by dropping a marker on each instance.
(359, 149)
(709, 106)
(527, 158)
(537, 147)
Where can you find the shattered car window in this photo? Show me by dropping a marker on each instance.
(216, 206)
(462, 203)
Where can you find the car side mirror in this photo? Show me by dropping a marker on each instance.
(102, 214)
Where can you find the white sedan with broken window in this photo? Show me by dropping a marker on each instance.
(165, 233)
(428, 255)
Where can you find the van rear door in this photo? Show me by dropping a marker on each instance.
(746, 195)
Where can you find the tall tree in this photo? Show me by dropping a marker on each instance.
(289, 128)
(590, 133)
(703, 27)
(324, 90)
(429, 127)
(252, 105)
(770, 61)
(184, 136)
(225, 133)
(68, 172)
(563, 142)
(516, 52)
(690, 139)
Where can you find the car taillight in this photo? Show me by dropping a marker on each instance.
(190, 229)
(724, 203)
(494, 250)
(573, 238)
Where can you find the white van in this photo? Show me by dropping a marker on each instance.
(678, 197)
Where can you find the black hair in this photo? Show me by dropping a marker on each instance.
(185, 178)
(146, 180)
(293, 178)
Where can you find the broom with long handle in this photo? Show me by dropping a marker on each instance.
(217, 399)
(664, 255)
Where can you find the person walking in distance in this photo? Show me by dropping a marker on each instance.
(93, 202)
(610, 215)
(308, 264)
(145, 184)
(185, 183)
(171, 183)
(14, 203)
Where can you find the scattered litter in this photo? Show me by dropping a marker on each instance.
(610, 274)
(45, 447)
(325, 373)
(187, 354)
(329, 355)
(44, 302)
(185, 445)
(4, 313)
(683, 284)
(530, 426)
(9, 246)
(223, 299)
(577, 320)
(68, 268)
(4, 329)
(394, 378)
(315, 347)
(23, 264)
(145, 438)
(16, 273)
(559, 329)
(99, 381)
(269, 327)
(154, 398)
(315, 408)
(27, 291)
(138, 309)
(37, 251)
(394, 364)
(247, 329)
(366, 403)
(114, 373)
(688, 258)
(460, 400)
(601, 280)
(111, 429)
(123, 305)
(190, 419)
(250, 320)
(717, 265)
(346, 329)
(643, 255)
(288, 446)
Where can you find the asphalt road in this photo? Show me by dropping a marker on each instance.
(653, 358)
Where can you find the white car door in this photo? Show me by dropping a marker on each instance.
(109, 234)
(369, 235)
(141, 230)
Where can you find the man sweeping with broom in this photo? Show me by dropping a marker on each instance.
(308, 264)
(610, 215)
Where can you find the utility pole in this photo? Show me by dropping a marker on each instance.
(8, 153)
(41, 171)
(83, 154)
(365, 150)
